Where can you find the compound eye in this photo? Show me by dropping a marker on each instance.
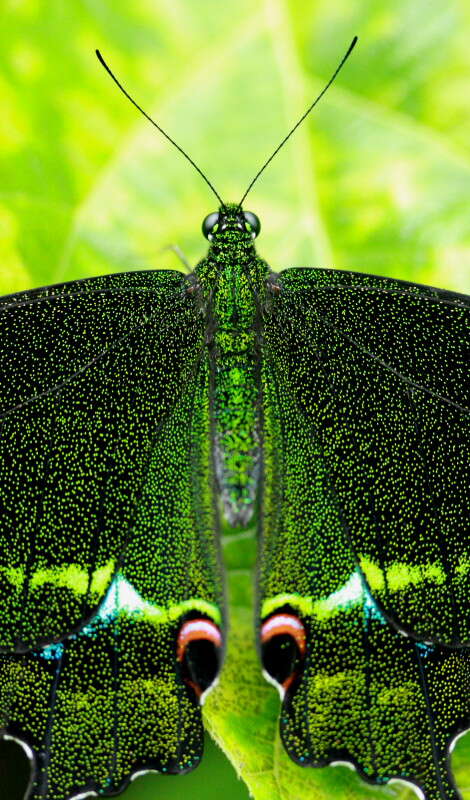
(283, 646)
(199, 651)
(209, 226)
(253, 222)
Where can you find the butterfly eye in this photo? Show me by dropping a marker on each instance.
(253, 222)
(210, 224)
(198, 650)
(283, 645)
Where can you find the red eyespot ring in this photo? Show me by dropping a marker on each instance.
(282, 666)
(194, 630)
(198, 651)
(285, 623)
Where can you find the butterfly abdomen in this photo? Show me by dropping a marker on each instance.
(235, 395)
(236, 422)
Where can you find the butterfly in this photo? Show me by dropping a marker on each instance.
(334, 403)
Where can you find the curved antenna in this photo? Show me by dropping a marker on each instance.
(276, 151)
(165, 134)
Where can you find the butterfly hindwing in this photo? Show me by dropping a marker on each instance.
(90, 371)
(378, 700)
(117, 697)
(379, 372)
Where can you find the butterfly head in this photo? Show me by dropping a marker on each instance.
(231, 218)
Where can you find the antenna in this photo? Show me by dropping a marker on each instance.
(165, 134)
(317, 99)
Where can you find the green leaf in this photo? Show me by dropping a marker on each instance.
(377, 179)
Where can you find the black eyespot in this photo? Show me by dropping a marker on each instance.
(283, 645)
(15, 767)
(209, 226)
(199, 649)
(253, 222)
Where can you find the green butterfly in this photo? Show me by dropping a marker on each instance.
(333, 403)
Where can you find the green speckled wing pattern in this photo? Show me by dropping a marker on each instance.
(365, 519)
(380, 370)
(90, 370)
(110, 700)
(376, 699)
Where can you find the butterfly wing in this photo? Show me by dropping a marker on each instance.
(90, 370)
(118, 698)
(354, 689)
(379, 372)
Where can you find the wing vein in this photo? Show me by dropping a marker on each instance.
(48, 298)
(460, 301)
(391, 369)
(429, 714)
(109, 348)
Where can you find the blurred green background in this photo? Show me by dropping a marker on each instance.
(377, 180)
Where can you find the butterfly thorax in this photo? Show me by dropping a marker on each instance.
(233, 282)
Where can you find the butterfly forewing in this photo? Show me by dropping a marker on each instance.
(379, 373)
(90, 372)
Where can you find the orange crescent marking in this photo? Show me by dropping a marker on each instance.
(285, 623)
(195, 630)
(290, 625)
